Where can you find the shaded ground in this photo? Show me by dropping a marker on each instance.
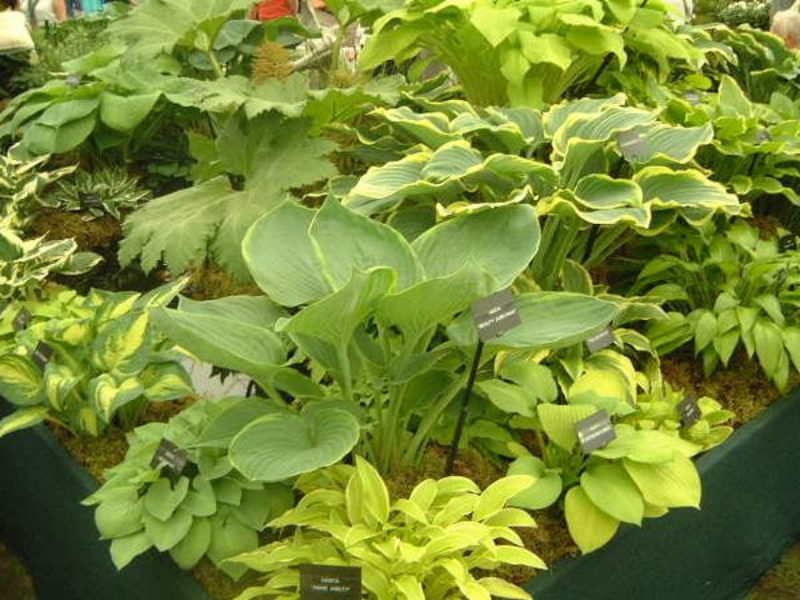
(782, 582)
(15, 584)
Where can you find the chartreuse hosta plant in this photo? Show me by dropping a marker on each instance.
(525, 52)
(107, 364)
(210, 509)
(642, 473)
(593, 163)
(735, 289)
(443, 541)
(370, 310)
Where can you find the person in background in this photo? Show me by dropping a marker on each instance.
(786, 25)
(40, 12)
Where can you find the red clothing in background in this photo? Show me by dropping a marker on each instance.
(273, 9)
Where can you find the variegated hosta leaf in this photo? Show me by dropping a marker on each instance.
(59, 381)
(451, 169)
(20, 380)
(693, 196)
(165, 381)
(601, 200)
(599, 126)
(107, 396)
(557, 115)
(124, 344)
(22, 419)
(678, 144)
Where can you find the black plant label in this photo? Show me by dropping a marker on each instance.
(90, 201)
(42, 354)
(600, 340)
(689, 411)
(22, 320)
(595, 432)
(320, 582)
(692, 97)
(172, 458)
(495, 315)
(787, 243)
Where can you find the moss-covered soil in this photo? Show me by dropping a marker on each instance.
(782, 582)
(15, 583)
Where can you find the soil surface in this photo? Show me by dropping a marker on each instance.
(782, 582)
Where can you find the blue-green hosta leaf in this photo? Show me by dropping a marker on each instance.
(20, 380)
(280, 446)
(501, 241)
(222, 428)
(508, 397)
(429, 303)
(347, 242)
(125, 549)
(22, 419)
(107, 396)
(612, 490)
(123, 346)
(549, 320)
(670, 484)
(544, 491)
(324, 330)
(241, 339)
(601, 200)
(590, 527)
(690, 193)
(167, 534)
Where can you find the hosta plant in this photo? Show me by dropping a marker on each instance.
(101, 364)
(443, 541)
(735, 289)
(26, 264)
(593, 166)
(209, 509)
(370, 310)
(104, 191)
(529, 53)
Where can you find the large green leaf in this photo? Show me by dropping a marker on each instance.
(549, 320)
(501, 241)
(590, 527)
(234, 333)
(671, 484)
(612, 490)
(280, 446)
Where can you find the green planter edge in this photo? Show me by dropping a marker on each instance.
(42, 519)
(750, 513)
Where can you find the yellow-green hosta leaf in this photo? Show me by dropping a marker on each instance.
(646, 446)
(791, 339)
(165, 381)
(107, 396)
(559, 422)
(20, 380)
(120, 513)
(409, 587)
(603, 389)
(544, 491)
(22, 419)
(372, 491)
(125, 549)
(123, 346)
(590, 527)
(511, 555)
(497, 495)
(503, 589)
(671, 484)
(610, 488)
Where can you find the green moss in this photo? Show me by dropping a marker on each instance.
(15, 583)
(782, 582)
